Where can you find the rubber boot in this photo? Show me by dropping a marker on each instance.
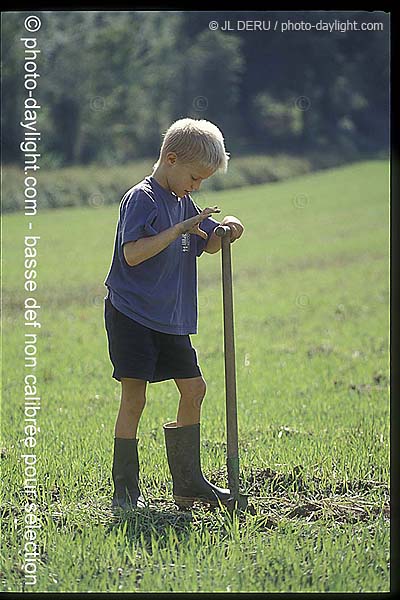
(125, 473)
(189, 483)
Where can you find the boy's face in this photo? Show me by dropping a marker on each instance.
(184, 178)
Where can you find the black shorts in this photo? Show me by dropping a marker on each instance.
(142, 353)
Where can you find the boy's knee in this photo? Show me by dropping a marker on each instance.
(196, 391)
(133, 405)
(133, 395)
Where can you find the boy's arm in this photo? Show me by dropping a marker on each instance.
(144, 248)
(214, 242)
(139, 250)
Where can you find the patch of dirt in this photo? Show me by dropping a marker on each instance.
(339, 509)
(323, 349)
(380, 378)
(379, 382)
(365, 387)
(257, 479)
(292, 496)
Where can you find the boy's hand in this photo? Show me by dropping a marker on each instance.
(235, 226)
(192, 225)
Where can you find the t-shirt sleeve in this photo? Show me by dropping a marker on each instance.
(138, 213)
(208, 225)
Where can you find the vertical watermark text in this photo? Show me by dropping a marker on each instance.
(29, 147)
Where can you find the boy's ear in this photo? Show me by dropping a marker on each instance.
(171, 158)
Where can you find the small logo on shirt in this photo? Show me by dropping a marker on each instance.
(185, 242)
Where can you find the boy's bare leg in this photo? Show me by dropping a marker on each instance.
(192, 392)
(133, 400)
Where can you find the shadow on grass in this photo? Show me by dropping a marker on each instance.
(152, 522)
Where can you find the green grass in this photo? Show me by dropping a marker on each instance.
(311, 279)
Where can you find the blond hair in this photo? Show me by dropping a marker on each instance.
(195, 141)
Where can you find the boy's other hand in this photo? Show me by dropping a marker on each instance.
(192, 225)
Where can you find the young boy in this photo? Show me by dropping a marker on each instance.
(151, 306)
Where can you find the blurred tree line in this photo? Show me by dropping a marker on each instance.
(112, 82)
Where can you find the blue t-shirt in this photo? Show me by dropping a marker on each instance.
(160, 292)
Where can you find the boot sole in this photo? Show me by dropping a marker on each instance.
(187, 502)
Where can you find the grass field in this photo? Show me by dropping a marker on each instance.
(311, 298)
